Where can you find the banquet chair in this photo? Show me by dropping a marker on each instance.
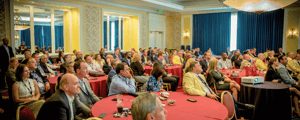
(24, 113)
(227, 101)
(211, 82)
(167, 86)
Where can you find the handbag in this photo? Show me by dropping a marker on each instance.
(96, 74)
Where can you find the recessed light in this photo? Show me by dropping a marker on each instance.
(32, 2)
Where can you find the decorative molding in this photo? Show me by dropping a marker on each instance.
(176, 35)
(92, 29)
(2, 21)
(167, 34)
(144, 31)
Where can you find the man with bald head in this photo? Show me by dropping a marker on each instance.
(64, 104)
(78, 56)
(107, 66)
(246, 61)
(260, 65)
(6, 53)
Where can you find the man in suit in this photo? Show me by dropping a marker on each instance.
(107, 66)
(45, 65)
(86, 96)
(42, 81)
(153, 56)
(178, 60)
(169, 78)
(283, 72)
(280, 51)
(27, 55)
(145, 57)
(205, 62)
(48, 60)
(112, 73)
(39, 63)
(127, 58)
(260, 64)
(149, 51)
(117, 55)
(78, 56)
(64, 104)
(62, 68)
(235, 54)
(6, 53)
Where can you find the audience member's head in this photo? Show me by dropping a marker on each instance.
(273, 61)
(67, 57)
(44, 58)
(74, 52)
(213, 64)
(27, 54)
(22, 72)
(136, 57)
(122, 69)
(13, 62)
(188, 56)
(147, 107)
(117, 52)
(224, 55)
(46, 53)
(36, 57)
(237, 52)
(247, 57)
(31, 64)
(160, 56)
(157, 72)
(270, 54)
(145, 53)
(5, 41)
(268, 49)
(261, 56)
(60, 54)
(69, 65)
(291, 55)
(80, 69)
(102, 51)
(141, 50)
(88, 59)
(194, 67)
(207, 56)
(114, 63)
(166, 49)
(128, 55)
(109, 58)
(180, 53)
(188, 62)
(69, 84)
(280, 49)
(97, 57)
(297, 56)
(92, 55)
(282, 59)
(79, 54)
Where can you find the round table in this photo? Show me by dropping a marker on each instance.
(98, 86)
(204, 109)
(271, 100)
(241, 73)
(175, 70)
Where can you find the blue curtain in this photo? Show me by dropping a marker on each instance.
(116, 34)
(25, 36)
(38, 35)
(105, 33)
(260, 31)
(47, 36)
(59, 37)
(212, 31)
(110, 48)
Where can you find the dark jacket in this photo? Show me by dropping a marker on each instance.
(106, 68)
(44, 67)
(153, 58)
(126, 61)
(62, 69)
(57, 107)
(5, 58)
(77, 59)
(238, 63)
(273, 74)
(137, 68)
(143, 58)
(204, 65)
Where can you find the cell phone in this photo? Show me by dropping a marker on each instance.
(162, 98)
(102, 115)
(192, 100)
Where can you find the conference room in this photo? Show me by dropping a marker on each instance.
(149, 59)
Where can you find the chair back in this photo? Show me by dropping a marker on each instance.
(227, 101)
(24, 113)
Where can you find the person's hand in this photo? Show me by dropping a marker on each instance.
(163, 90)
(276, 81)
(100, 71)
(47, 86)
(169, 75)
(127, 75)
(1, 110)
(215, 97)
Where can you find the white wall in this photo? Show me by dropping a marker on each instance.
(157, 23)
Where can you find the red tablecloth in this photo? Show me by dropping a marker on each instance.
(98, 86)
(240, 73)
(204, 109)
(175, 70)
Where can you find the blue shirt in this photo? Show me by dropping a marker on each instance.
(49, 62)
(39, 81)
(153, 85)
(121, 85)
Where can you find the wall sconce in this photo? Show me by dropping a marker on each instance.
(186, 34)
(292, 33)
(17, 37)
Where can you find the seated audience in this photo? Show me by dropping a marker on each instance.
(123, 82)
(117, 55)
(74, 54)
(25, 90)
(246, 61)
(86, 96)
(153, 55)
(98, 61)
(292, 64)
(46, 67)
(238, 61)
(112, 72)
(186, 58)
(211, 52)
(102, 54)
(273, 76)
(127, 58)
(267, 52)
(64, 103)
(270, 55)
(60, 57)
(42, 81)
(205, 62)
(167, 77)
(146, 59)
(11, 75)
(251, 53)
(177, 59)
(27, 55)
(92, 67)
(174, 53)
(69, 66)
(280, 51)
(188, 64)
(284, 74)
(194, 83)
(260, 65)
(233, 58)
(138, 70)
(78, 56)
(62, 68)
(107, 66)
(147, 107)
(155, 82)
(92, 55)
(166, 52)
(140, 51)
(224, 62)
(222, 82)
(149, 51)
(48, 60)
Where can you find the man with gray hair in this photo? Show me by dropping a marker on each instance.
(147, 106)
(45, 65)
(27, 55)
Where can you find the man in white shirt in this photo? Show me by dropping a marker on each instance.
(224, 62)
(92, 67)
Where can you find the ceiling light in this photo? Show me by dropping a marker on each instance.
(258, 6)
(32, 2)
(175, 6)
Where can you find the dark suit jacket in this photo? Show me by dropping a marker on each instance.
(87, 97)
(137, 68)
(106, 68)
(153, 58)
(44, 66)
(57, 107)
(204, 65)
(273, 74)
(4, 58)
(281, 54)
(126, 61)
(59, 60)
(148, 53)
(62, 69)
(143, 59)
(77, 59)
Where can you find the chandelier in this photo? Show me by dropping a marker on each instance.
(17, 24)
(258, 6)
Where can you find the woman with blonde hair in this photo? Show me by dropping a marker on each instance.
(174, 53)
(221, 80)
(99, 62)
(138, 70)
